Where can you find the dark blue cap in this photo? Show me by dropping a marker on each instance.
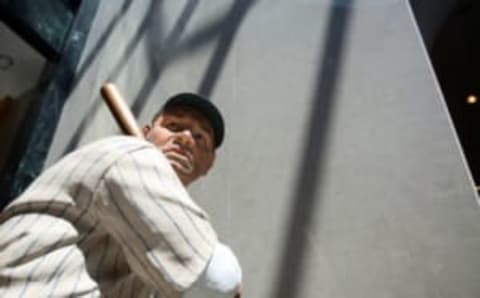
(203, 106)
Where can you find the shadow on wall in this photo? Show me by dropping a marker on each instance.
(102, 41)
(164, 51)
(309, 179)
(84, 124)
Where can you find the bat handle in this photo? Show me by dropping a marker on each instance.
(120, 110)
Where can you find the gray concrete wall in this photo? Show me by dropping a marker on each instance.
(340, 175)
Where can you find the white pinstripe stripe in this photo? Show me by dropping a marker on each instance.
(90, 201)
(188, 215)
(66, 257)
(91, 168)
(61, 238)
(57, 273)
(21, 218)
(151, 222)
(103, 257)
(47, 208)
(164, 210)
(132, 250)
(59, 189)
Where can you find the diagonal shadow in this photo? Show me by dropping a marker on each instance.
(160, 53)
(309, 178)
(193, 41)
(236, 16)
(170, 51)
(228, 26)
(151, 19)
(101, 43)
(133, 43)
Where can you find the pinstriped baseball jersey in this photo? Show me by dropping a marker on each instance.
(109, 220)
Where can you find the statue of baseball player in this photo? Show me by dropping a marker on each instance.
(113, 218)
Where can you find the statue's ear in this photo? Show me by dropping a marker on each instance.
(145, 130)
(209, 163)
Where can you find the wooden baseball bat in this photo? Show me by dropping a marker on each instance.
(120, 110)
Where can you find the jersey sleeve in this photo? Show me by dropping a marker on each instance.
(166, 238)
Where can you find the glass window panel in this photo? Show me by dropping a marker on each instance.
(50, 20)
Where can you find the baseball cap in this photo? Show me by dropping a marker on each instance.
(205, 107)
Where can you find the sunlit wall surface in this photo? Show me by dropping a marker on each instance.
(340, 176)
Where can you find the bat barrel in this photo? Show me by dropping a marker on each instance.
(120, 110)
